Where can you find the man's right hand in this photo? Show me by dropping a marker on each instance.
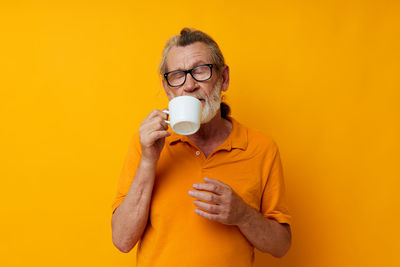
(130, 218)
(152, 132)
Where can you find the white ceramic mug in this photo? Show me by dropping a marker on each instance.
(184, 114)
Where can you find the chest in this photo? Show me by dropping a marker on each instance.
(174, 178)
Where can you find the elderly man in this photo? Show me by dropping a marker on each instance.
(205, 199)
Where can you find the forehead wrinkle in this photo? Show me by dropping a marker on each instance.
(188, 56)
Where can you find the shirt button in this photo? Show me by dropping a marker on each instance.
(197, 153)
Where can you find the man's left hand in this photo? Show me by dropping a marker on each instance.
(226, 206)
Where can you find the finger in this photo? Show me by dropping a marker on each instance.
(212, 217)
(215, 209)
(161, 118)
(152, 114)
(163, 124)
(167, 110)
(215, 188)
(163, 114)
(210, 197)
(157, 113)
(159, 134)
(214, 181)
(156, 124)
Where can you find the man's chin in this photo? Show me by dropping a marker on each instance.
(207, 119)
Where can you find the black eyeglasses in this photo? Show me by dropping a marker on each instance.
(200, 73)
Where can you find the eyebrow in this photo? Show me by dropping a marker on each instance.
(196, 63)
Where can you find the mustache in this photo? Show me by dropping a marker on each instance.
(198, 96)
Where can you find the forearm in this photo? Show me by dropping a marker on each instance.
(130, 218)
(265, 234)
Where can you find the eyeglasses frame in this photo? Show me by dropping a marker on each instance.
(189, 71)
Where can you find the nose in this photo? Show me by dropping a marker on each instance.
(190, 84)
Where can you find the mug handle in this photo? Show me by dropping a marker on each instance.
(167, 112)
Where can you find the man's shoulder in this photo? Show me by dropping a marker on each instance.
(257, 138)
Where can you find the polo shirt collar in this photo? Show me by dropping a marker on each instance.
(236, 139)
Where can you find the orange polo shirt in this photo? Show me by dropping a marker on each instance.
(248, 161)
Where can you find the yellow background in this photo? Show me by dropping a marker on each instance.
(320, 77)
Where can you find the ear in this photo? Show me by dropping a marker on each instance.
(166, 89)
(225, 78)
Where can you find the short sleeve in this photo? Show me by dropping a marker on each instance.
(129, 168)
(273, 202)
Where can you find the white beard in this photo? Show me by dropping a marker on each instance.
(211, 105)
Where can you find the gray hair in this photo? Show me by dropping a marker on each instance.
(189, 36)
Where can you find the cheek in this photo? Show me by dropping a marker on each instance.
(208, 93)
(170, 94)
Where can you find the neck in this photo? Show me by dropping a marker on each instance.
(216, 129)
